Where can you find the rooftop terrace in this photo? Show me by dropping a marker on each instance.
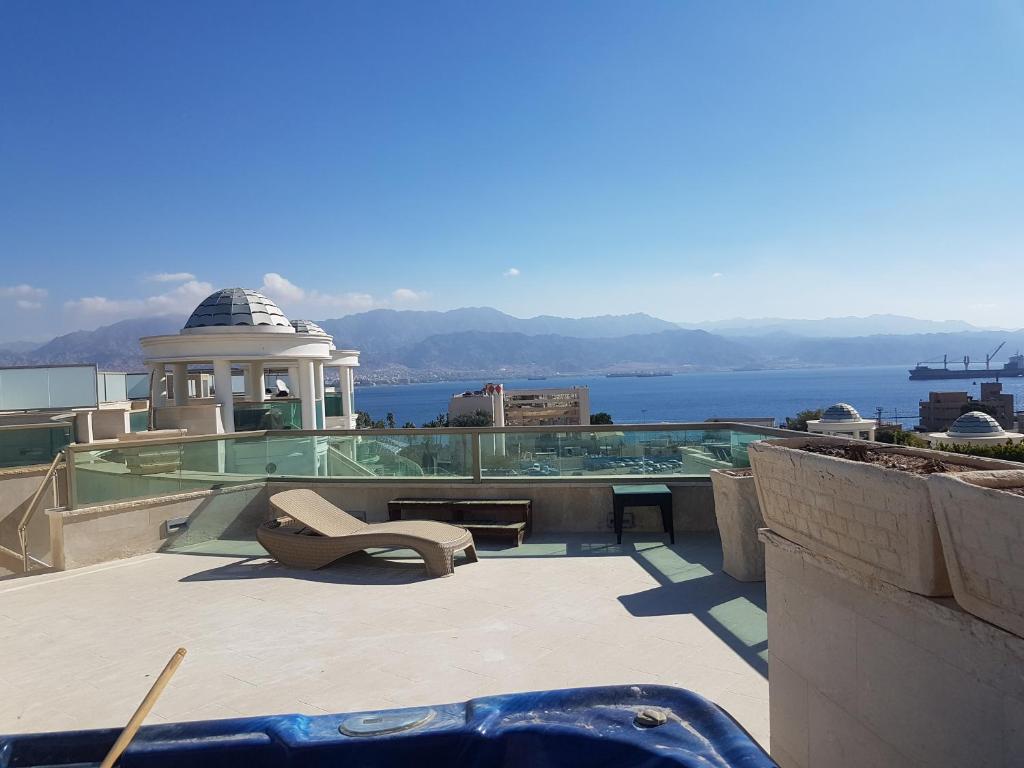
(81, 647)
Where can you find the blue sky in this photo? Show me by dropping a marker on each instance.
(693, 160)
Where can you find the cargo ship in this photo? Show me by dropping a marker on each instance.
(637, 375)
(1013, 367)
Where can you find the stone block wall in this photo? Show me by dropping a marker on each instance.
(850, 511)
(866, 675)
(113, 531)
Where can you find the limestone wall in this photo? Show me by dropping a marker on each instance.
(113, 531)
(866, 675)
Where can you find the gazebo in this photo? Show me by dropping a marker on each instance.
(974, 428)
(843, 420)
(236, 329)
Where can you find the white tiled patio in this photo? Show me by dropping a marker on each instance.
(81, 648)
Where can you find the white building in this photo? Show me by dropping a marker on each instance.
(236, 329)
(974, 428)
(550, 406)
(842, 420)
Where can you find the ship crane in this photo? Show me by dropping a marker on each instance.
(991, 357)
(944, 361)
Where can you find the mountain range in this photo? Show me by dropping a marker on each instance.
(835, 327)
(480, 341)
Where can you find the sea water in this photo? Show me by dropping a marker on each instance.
(699, 396)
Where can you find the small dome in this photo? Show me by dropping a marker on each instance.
(308, 326)
(841, 412)
(236, 306)
(975, 424)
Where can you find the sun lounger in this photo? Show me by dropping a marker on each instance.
(309, 532)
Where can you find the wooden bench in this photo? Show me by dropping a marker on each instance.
(511, 518)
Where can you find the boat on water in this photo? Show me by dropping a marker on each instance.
(637, 375)
(1013, 367)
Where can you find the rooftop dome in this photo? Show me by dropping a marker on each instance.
(308, 326)
(975, 424)
(236, 306)
(841, 412)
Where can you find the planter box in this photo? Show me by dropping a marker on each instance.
(875, 520)
(982, 531)
(739, 517)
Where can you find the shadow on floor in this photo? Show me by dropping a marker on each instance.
(688, 573)
(380, 568)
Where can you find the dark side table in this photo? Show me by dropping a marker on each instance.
(643, 496)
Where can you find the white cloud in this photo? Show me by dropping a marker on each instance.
(407, 295)
(171, 277)
(716, 275)
(22, 291)
(178, 301)
(27, 304)
(283, 291)
(280, 288)
(510, 272)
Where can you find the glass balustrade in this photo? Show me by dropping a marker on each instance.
(157, 468)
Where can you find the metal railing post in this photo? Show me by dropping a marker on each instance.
(478, 474)
(30, 511)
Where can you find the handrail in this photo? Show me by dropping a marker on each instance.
(707, 426)
(36, 425)
(31, 510)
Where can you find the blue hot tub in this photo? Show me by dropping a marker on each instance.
(620, 727)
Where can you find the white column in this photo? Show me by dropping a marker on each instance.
(345, 387)
(255, 384)
(180, 383)
(223, 396)
(321, 406)
(307, 394)
(293, 380)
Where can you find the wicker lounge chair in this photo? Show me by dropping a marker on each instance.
(309, 532)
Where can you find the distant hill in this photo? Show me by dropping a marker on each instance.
(833, 327)
(384, 330)
(479, 340)
(479, 351)
(19, 347)
(111, 347)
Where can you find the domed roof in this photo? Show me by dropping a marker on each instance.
(841, 412)
(236, 306)
(308, 326)
(975, 424)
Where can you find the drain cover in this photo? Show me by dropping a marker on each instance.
(650, 718)
(380, 724)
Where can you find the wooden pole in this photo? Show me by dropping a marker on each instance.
(140, 714)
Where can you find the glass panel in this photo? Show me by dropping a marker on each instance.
(137, 385)
(270, 414)
(649, 453)
(139, 420)
(413, 454)
(332, 403)
(27, 446)
(129, 472)
(71, 387)
(293, 456)
(113, 387)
